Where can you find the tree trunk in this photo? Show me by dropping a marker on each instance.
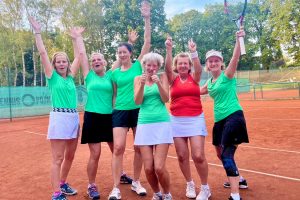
(24, 68)
(16, 67)
(34, 65)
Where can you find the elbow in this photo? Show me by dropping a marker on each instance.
(137, 101)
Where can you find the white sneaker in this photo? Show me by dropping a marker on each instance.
(115, 194)
(190, 190)
(167, 196)
(204, 194)
(138, 188)
(156, 197)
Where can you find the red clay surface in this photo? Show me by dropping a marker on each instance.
(270, 163)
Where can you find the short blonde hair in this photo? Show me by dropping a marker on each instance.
(61, 53)
(101, 55)
(153, 57)
(181, 55)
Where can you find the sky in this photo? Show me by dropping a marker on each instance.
(173, 7)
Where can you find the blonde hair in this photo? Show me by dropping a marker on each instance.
(61, 53)
(153, 57)
(181, 55)
(102, 56)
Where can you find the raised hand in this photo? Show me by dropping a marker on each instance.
(132, 36)
(169, 42)
(76, 32)
(35, 25)
(240, 33)
(192, 46)
(146, 9)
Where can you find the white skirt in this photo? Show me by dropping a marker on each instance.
(153, 134)
(188, 126)
(63, 125)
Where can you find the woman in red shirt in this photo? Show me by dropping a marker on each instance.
(187, 118)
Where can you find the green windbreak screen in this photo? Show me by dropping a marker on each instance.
(31, 101)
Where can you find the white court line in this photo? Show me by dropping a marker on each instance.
(262, 148)
(212, 164)
(245, 170)
(35, 133)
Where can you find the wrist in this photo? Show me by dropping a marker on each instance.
(37, 33)
(194, 54)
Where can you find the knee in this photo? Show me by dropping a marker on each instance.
(118, 150)
(58, 160)
(148, 170)
(198, 157)
(229, 166)
(159, 170)
(182, 157)
(95, 156)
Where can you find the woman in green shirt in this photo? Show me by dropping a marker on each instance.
(64, 120)
(230, 127)
(125, 112)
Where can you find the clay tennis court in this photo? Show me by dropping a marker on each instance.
(270, 163)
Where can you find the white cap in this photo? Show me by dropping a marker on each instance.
(213, 53)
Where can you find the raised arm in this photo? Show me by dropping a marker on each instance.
(145, 10)
(139, 83)
(168, 67)
(231, 69)
(79, 50)
(76, 34)
(196, 61)
(41, 47)
(163, 86)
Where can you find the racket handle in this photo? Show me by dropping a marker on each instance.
(242, 45)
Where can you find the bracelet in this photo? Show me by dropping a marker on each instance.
(194, 55)
(37, 33)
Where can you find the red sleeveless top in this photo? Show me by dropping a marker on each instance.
(185, 97)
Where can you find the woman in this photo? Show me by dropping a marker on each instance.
(64, 120)
(97, 125)
(152, 92)
(187, 118)
(230, 127)
(125, 112)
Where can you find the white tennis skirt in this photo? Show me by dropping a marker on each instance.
(63, 125)
(188, 126)
(153, 134)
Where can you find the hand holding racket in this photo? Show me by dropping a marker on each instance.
(230, 8)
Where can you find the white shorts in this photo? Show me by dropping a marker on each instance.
(153, 134)
(188, 126)
(63, 125)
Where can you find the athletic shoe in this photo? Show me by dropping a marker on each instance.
(156, 197)
(190, 190)
(167, 197)
(204, 194)
(124, 179)
(115, 194)
(138, 188)
(93, 193)
(230, 198)
(242, 184)
(67, 190)
(59, 197)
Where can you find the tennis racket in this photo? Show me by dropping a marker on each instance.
(236, 10)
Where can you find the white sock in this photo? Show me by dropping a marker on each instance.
(205, 186)
(241, 178)
(235, 196)
(91, 184)
(191, 182)
(158, 193)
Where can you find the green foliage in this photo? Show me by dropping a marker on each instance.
(272, 27)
